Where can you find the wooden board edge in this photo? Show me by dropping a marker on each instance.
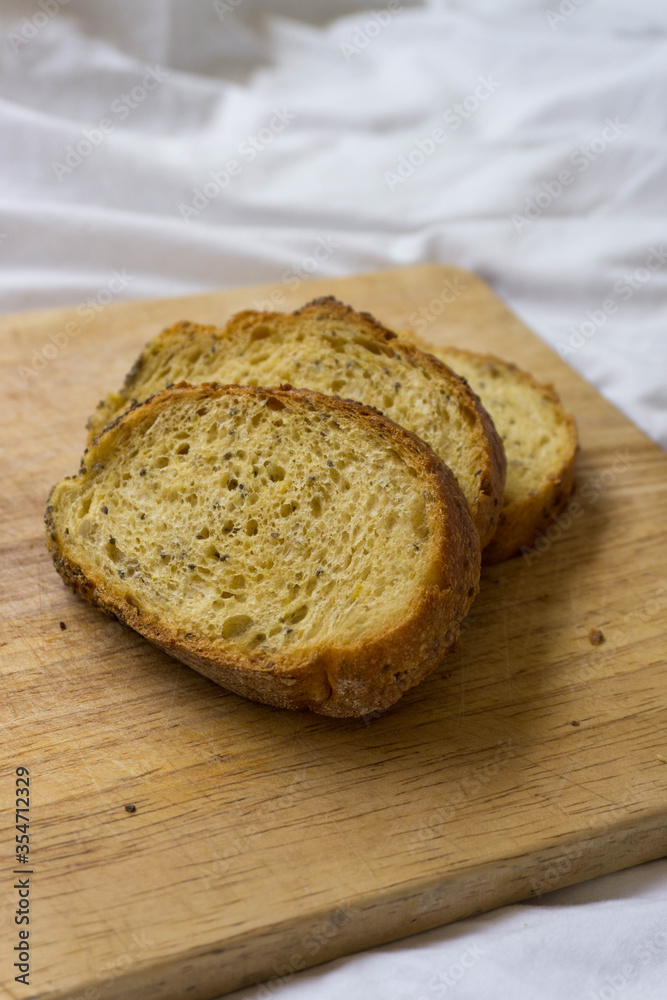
(271, 958)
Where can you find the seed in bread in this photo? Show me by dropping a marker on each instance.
(540, 439)
(299, 549)
(331, 348)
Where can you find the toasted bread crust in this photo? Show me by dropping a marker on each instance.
(523, 519)
(488, 499)
(522, 522)
(341, 680)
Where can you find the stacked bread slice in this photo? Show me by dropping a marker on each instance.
(329, 347)
(312, 547)
(540, 441)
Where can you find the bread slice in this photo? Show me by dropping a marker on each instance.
(331, 348)
(540, 439)
(299, 549)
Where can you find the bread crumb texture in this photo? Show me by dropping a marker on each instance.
(329, 347)
(298, 549)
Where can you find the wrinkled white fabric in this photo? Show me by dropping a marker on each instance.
(523, 140)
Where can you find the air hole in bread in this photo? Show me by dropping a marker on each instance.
(260, 333)
(257, 640)
(275, 472)
(298, 615)
(335, 342)
(112, 551)
(235, 626)
(368, 345)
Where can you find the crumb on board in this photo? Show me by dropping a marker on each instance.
(63, 626)
(575, 723)
(595, 637)
(130, 808)
(661, 758)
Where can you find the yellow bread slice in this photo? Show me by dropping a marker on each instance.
(299, 549)
(540, 440)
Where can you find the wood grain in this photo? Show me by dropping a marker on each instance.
(266, 841)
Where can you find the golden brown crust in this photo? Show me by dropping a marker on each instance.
(492, 473)
(345, 680)
(524, 519)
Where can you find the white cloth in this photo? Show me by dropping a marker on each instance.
(523, 140)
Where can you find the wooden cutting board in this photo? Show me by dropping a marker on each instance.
(266, 841)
